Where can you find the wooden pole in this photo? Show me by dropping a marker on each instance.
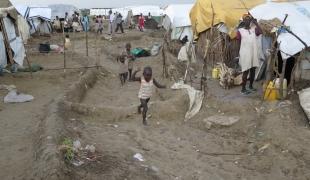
(87, 42)
(26, 55)
(64, 44)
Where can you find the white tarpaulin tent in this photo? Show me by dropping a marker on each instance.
(177, 19)
(34, 15)
(298, 21)
(61, 9)
(9, 38)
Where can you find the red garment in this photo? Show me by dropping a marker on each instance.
(141, 21)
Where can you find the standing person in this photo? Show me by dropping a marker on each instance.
(130, 58)
(85, 22)
(141, 22)
(75, 22)
(67, 22)
(249, 53)
(146, 90)
(111, 23)
(149, 16)
(56, 25)
(119, 23)
(100, 24)
(123, 68)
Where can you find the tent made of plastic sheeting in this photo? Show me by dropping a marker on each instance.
(145, 10)
(224, 11)
(9, 39)
(99, 11)
(177, 19)
(298, 21)
(61, 9)
(39, 18)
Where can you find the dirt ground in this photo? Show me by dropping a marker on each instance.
(270, 140)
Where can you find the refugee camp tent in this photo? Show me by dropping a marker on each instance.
(177, 20)
(11, 45)
(39, 18)
(228, 12)
(61, 9)
(298, 21)
(99, 11)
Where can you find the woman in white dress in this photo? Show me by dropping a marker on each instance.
(249, 52)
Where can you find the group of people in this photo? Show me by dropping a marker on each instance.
(71, 23)
(147, 82)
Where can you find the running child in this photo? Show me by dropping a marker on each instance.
(146, 89)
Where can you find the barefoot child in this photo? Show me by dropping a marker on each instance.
(146, 89)
(123, 68)
(130, 58)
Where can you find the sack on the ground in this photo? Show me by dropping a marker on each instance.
(140, 52)
(304, 98)
(44, 48)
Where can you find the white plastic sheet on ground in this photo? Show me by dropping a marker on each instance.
(304, 98)
(195, 99)
(14, 97)
(298, 21)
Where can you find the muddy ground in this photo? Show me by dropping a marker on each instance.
(270, 140)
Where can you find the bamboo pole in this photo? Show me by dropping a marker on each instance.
(87, 42)
(26, 55)
(64, 44)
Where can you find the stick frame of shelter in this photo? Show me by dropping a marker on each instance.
(6, 40)
(64, 44)
(26, 55)
(165, 74)
(86, 43)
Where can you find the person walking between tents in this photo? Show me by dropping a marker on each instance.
(119, 23)
(249, 53)
(141, 22)
(85, 22)
(56, 25)
(111, 23)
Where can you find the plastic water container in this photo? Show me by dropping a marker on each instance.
(277, 86)
(215, 73)
(271, 92)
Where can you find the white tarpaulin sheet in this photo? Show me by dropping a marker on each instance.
(61, 9)
(179, 14)
(16, 43)
(97, 12)
(43, 12)
(177, 19)
(3, 58)
(304, 98)
(145, 10)
(298, 21)
(195, 98)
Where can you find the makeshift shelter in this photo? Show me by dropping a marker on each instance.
(291, 38)
(177, 21)
(39, 18)
(61, 9)
(11, 44)
(100, 11)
